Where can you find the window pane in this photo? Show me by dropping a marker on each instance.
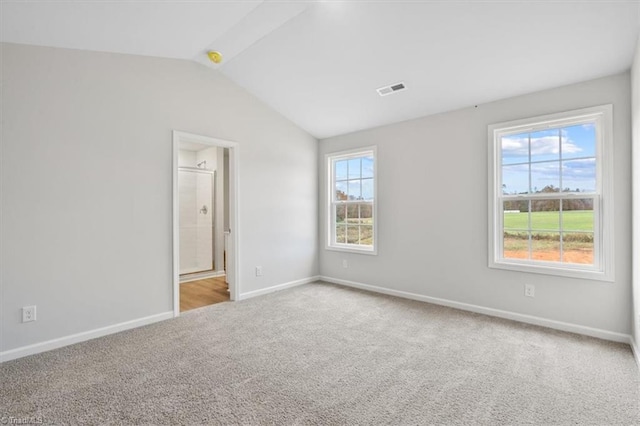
(545, 246)
(353, 214)
(341, 191)
(515, 245)
(366, 235)
(341, 234)
(545, 215)
(553, 210)
(515, 148)
(353, 235)
(579, 141)
(366, 214)
(577, 247)
(516, 215)
(367, 167)
(341, 170)
(367, 189)
(545, 177)
(353, 199)
(354, 168)
(579, 175)
(515, 179)
(577, 215)
(341, 213)
(355, 190)
(545, 145)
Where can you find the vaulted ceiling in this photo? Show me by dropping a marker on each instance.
(320, 63)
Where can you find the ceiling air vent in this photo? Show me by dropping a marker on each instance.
(387, 90)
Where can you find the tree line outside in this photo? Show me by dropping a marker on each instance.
(550, 205)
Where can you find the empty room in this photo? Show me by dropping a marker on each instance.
(320, 212)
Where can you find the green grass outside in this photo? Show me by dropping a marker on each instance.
(573, 220)
(355, 234)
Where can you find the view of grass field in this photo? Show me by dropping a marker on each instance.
(543, 241)
(355, 231)
(573, 220)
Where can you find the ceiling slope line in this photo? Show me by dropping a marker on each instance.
(251, 29)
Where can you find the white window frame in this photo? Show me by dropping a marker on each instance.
(331, 244)
(603, 267)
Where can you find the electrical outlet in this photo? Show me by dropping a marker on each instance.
(345, 263)
(28, 313)
(530, 290)
(258, 271)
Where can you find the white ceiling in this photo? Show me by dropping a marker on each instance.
(319, 63)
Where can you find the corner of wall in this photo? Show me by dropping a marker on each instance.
(635, 169)
(636, 351)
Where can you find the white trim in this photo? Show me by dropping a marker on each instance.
(635, 198)
(233, 260)
(603, 268)
(330, 244)
(278, 287)
(528, 319)
(60, 342)
(636, 350)
(348, 249)
(551, 268)
(175, 225)
(201, 276)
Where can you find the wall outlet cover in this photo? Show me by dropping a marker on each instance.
(29, 313)
(530, 290)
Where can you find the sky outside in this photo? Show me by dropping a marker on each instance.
(354, 177)
(573, 166)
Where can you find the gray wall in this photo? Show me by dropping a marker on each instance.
(432, 212)
(87, 184)
(635, 123)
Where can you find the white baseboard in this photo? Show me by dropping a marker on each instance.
(92, 334)
(278, 287)
(201, 276)
(81, 337)
(529, 319)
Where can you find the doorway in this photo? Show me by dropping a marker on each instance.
(198, 209)
(205, 260)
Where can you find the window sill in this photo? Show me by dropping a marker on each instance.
(551, 269)
(347, 249)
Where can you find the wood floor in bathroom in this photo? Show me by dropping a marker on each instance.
(204, 292)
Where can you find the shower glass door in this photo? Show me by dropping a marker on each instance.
(196, 220)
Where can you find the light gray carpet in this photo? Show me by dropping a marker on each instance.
(323, 354)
